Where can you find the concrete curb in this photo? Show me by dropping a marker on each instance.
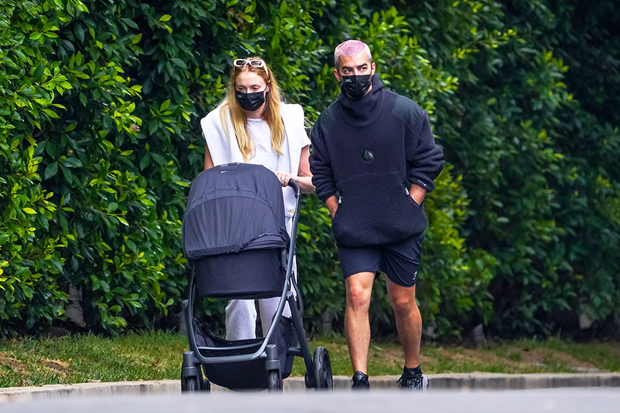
(450, 381)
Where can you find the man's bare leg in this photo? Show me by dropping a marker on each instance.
(357, 326)
(408, 321)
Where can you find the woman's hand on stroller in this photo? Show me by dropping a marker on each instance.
(304, 183)
(284, 178)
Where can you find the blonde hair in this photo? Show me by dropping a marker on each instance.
(230, 109)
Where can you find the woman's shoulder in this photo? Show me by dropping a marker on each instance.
(291, 107)
(292, 110)
(294, 121)
(213, 118)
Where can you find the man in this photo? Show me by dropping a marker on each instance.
(374, 159)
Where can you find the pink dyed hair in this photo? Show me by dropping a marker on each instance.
(351, 48)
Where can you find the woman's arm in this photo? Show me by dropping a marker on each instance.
(304, 176)
(208, 159)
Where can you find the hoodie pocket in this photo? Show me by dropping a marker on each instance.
(374, 210)
(415, 204)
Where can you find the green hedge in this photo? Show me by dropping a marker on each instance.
(532, 131)
(99, 141)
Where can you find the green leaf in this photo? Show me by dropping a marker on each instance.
(275, 42)
(165, 18)
(158, 158)
(248, 46)
(51, 113)
(67, 174)
(153, 126)
(72, 162)
(29, 211)
(145, 161)
(104, 285)
(179, 62)
(51, 170)
(130, 23)
(80, 32)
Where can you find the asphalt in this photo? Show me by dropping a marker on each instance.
(437, 383)
(599, 400)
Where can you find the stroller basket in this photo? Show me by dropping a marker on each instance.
(247, 374)
(241, 280)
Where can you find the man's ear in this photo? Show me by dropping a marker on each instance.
(373, 69)
(337, 75)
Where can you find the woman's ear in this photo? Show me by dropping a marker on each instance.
(268, 88)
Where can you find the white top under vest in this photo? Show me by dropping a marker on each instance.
(263, 151)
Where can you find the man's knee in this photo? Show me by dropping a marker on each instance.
(358, 297)
(403, 304)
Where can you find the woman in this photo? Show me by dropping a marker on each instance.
(253, 125)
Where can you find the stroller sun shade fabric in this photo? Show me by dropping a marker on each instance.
(233, 208)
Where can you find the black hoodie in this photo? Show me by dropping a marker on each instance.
(368, 152)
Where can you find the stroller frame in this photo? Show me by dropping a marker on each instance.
(318, 368)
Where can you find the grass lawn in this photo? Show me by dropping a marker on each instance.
(157, 355)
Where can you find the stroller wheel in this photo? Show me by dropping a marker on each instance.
(191, 374)
(189, 385)
(322, 369)
(274, 381)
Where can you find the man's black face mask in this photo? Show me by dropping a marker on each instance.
(355, 86)
(250, 101)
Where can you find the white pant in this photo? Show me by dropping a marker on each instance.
(241, 314)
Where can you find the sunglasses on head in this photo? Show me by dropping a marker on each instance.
(252, 62)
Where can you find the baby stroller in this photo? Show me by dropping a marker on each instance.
(234, 234)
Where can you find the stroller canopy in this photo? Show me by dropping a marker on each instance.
(233, 208)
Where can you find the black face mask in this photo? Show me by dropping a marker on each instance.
(355, 86)
(250, 101)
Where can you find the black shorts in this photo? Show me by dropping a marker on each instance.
(398, 261)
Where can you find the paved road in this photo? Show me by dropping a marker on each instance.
(599, 400)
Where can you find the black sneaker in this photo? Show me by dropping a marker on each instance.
(413, 380)
(360, 381)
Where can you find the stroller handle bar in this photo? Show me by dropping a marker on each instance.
(291, 250)
(296, 187)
